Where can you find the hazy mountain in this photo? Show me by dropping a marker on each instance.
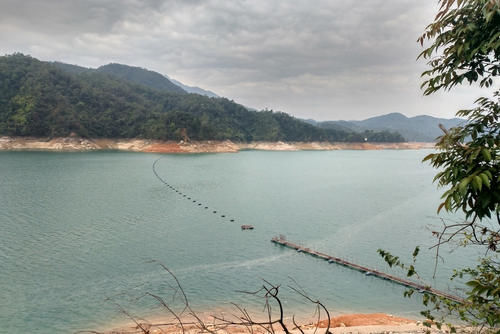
(193, 90)
(75, 69)
(419, 128)
(43, 99)
(132, 74)
(141, 76)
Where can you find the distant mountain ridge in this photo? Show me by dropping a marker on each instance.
(422, 128)
(133, 74)
(70, 68)
(193, 89)
(47, 99)
(419, 128)
(141, 76)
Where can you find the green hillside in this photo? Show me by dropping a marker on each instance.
(419, 128)
(194, 90)
(41, 99)
(141, 76)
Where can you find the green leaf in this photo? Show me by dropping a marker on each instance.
(416, 251)
(486, 180)
(447, 203)
(462, 187)
(472, 283)
(425, 299)
(427, 157)
(486, 154)
(477, 183)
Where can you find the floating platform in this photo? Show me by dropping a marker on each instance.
(281, 240)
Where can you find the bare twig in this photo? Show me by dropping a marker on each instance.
(296, 325)
(138, 324)
(268, 292)
(165, 305)
(318, 304)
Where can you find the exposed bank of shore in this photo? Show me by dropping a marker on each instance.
(343, 324)
(70, 144)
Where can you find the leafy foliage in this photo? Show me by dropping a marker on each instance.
(394, 261)
(469, 162)
(484, 296)
(468, 157)
(42, 99)
(467, 32)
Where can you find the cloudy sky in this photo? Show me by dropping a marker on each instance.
(321, 59)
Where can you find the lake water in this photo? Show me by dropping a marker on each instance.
(79, 228)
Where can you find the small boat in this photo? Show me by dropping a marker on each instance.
(247, 227)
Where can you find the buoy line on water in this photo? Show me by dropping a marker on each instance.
(185, 196)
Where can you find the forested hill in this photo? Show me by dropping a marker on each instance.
(194, 90)
(419, 128)
(41, 99)
(141, 76)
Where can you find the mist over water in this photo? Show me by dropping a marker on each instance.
(77, 228)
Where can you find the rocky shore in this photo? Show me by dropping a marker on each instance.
(75, 144)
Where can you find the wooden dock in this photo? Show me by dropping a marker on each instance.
(367, 271)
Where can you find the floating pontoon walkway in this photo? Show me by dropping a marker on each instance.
(331, 259)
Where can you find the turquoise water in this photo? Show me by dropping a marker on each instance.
(79, 228)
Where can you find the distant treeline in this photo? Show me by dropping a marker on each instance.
(45, 100)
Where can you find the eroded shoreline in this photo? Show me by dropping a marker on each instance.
(340, 324)
(74, 144)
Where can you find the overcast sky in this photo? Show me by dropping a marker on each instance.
(321, 59)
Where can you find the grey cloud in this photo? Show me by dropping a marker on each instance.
(327, 59)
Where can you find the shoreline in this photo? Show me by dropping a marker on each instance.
(347, 323)
(75, 144)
